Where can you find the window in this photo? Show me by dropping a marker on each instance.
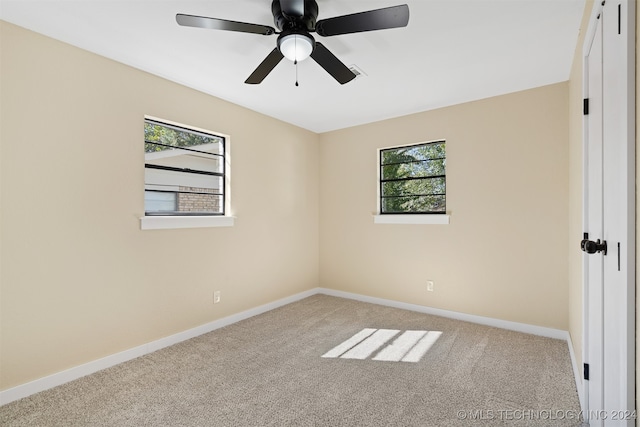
(184, 171)
(413, 179)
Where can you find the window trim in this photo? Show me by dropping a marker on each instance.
(406, 217)
(165, 222)
(226, 219)
(435, 219)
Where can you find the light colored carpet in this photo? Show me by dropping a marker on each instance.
(269, 371)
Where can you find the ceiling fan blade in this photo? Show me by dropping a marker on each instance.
(331, 64)
(223, 24)
(379, 19)
(292, 7)
(265, 67)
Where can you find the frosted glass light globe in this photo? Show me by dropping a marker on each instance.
(296, 47)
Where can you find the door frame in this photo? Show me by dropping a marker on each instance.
(619, 91)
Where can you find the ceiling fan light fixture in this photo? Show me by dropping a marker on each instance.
(296, 47)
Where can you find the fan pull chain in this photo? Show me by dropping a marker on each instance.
(295, 61)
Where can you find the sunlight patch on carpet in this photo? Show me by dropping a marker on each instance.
(410, 346)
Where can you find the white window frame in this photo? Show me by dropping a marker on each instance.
(156, 222)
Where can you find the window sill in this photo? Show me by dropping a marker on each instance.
(411, 219)
(171, 222)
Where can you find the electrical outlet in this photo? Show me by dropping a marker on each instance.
(430, 285)
(216, 297)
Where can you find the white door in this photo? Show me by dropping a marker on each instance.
(594, 226)
(609, 340)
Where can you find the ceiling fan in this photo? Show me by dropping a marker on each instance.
(295, 20)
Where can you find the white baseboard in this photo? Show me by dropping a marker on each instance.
(76, 372)
(487, 321)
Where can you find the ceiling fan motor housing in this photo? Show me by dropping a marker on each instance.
(306, 22)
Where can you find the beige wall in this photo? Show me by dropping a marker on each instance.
(503, 255)
(79, 279)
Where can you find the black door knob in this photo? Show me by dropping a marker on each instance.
(591, 247)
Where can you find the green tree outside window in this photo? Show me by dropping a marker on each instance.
(413, 179)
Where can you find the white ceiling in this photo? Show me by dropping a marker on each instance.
(452, 51)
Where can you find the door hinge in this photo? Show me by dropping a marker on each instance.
(586, 371)
(585, 106)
